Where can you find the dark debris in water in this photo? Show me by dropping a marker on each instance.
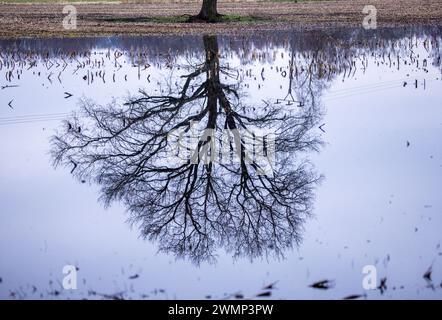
(264, 294)
(54, 293)
(113, 296)
(383, 285)
(355, 296)
(427, 274)
(271, 286)
(323, 285)
(67, 95)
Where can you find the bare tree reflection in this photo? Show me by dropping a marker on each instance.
(191, 206)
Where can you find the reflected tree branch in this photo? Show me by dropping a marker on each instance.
(189, 206)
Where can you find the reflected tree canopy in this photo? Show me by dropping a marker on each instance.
(198, 168)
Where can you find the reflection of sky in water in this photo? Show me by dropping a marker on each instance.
(379, 198)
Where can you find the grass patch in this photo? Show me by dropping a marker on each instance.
(183, 19)
(170, 19)
(244, 19)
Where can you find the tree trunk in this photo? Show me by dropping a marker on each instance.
(208, 11)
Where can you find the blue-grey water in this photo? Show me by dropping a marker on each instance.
(378, 120)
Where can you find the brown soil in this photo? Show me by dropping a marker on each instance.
(99, 19)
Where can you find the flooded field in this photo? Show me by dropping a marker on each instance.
(275, 165)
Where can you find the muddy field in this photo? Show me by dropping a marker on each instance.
(45, 20)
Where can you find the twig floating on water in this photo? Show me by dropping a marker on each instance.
(264, 294)
(9, 86)
(270, 286)
(354, 296)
